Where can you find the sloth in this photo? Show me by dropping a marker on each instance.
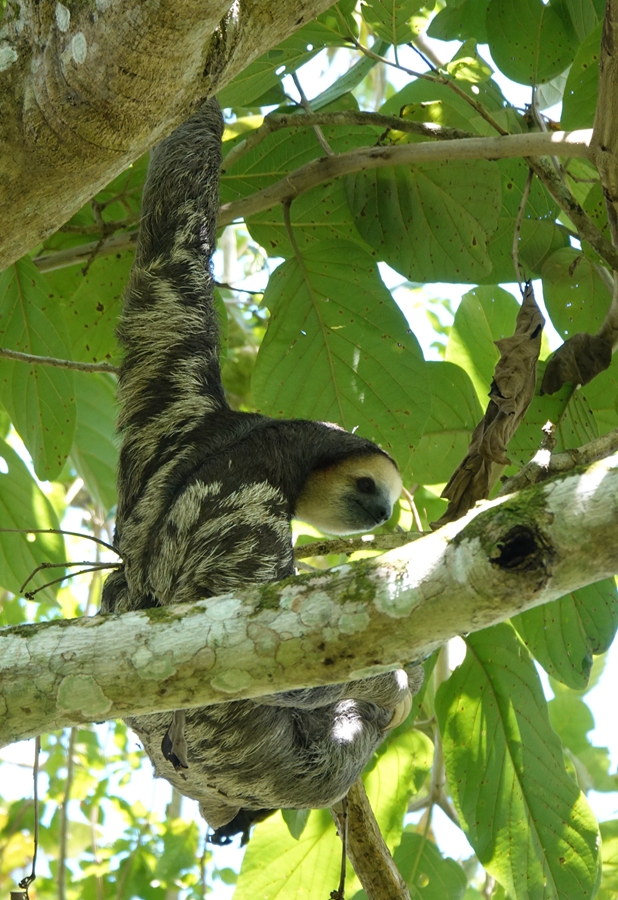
(205, 499)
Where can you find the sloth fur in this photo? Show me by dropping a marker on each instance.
(206, 495)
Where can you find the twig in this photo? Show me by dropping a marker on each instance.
(27, 881)
(64, 817)
(325, 169)
(59, 363)
(520, 275)
(87, 537)
(367, 851)
(277, 121)
(354, 545)
(339, 894)
(409, 495)
(30, 595)
(73, 256)
(326, 147)
(540, 469)
(58, 565)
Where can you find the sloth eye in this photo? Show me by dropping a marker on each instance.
(366, 485)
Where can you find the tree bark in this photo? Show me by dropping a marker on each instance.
(84, 93)
(506, 556)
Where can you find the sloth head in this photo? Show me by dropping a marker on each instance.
(357, 494)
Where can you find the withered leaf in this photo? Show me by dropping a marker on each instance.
(578, 360)
(512, 390)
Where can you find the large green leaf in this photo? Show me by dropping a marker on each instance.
(95, 452)
(389, 19)
(609, 885)
(401, 766)
(39, 399)
(580, 93)
(430, 222)
(335, 327)
(576, 297)
(254, 80)
(528, 823)
(539, 238)
(24, 505)
(455, 413)
(564, 635)
(572, 719)
(530, 41)
(570, 412)
(461, 21)
(484, 316)
(276, 865)
(585, 15)
(427, 873)
(601, 395)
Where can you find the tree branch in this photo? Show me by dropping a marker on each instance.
(58, 363)
(85, 95)
(510, 555)
(367, 850)
(573, 143)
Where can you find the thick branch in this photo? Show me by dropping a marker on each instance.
(573, 143)
(87, 92)
(514, 553)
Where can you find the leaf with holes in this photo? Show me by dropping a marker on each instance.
(431, 222)
(528, 823)
(338, 349)
(576, 297)
(530, 41)
(39, 399)
(580, 94)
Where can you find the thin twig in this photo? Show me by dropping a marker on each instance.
(540, 468)
(520, 275)
(30, 595)
(87, 537)
(27, 881)
(59, 565)
(409, 495)
(326, 147)
(59, 363)
(64, 817)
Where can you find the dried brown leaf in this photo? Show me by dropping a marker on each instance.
(512, 390)
(578, 360)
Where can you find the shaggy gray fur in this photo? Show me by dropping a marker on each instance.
(206, 495)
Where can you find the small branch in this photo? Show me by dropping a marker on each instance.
(75, 256)
(326, 147)
(540, 468)
(520, 275)
(318, 171)
(64, 817)
(354, 545)
(276, 121)
(58, 363)
(367, 851)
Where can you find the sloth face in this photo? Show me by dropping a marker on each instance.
(355, 495)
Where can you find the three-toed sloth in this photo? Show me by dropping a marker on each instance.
(206, 495)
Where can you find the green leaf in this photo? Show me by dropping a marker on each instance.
(600, 395)
(390, 20)
(350, 79)
(288, 56)
(585, 15)
(528, 823)
(277, 865)
(39, 399)
(296, 820)
(335, 326)
(539, 204)
(538, 240)
(580, 93)
(530, 41)
(461, 22)
(95, 452)
(567, 409)
(426, 872)
(564, 635)
(484, 316)
(576, 297)
(571, 719)
(94, 306)
(400, 769)
(609, 885)
(24, 505)
(430, 222)
(180, 840)
(455, 412)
